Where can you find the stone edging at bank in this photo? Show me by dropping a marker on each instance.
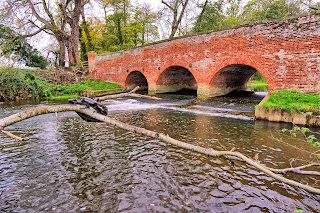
(279, 115)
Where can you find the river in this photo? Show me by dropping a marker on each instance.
(76, 166)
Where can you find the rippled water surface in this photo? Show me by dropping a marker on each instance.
(75, 166)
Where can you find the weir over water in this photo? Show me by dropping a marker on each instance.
(94, 167)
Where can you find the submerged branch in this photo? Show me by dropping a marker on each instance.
(166, 138)
(12, 135)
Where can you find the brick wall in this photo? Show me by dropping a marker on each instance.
(286, 53)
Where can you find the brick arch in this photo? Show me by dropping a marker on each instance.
(233, 74)
(251, 61)
(175, 78)
(136, 78)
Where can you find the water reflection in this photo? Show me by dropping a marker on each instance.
(95, 167)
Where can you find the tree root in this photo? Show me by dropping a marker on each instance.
(232, 155)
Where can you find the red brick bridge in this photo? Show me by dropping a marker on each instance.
(285, 52)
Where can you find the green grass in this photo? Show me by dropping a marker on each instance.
(256, 83)
(91, 84)
(75, 90)
(293, 101)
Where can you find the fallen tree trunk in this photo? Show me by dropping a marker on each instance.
(127, 94)
(207, 151)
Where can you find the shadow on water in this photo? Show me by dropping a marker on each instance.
(94, 167)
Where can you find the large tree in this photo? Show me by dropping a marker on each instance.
(59, 19)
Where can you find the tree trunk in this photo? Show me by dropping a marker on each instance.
(73, 38)
(73, 49)
(62, 53)
(119, 30)
(86, 31)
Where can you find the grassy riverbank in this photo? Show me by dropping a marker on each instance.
(19, 84)
(257, 83)
(75, 90)
(293, 101)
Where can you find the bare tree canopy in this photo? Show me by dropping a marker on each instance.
(177, 8)
(59, 19)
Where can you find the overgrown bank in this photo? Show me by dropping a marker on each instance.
(19, 84)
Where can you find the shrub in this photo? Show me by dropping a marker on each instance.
(18, 83)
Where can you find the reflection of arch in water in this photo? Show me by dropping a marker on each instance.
(176, 78)
(136, 78)
(231, 77)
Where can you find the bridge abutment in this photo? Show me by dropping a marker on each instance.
(152, 89)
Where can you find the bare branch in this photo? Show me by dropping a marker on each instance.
(46, 9)
(165, 3)
(34, 12)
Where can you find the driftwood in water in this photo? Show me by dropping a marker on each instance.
(128, 94)
(232, 155)
(12, 135)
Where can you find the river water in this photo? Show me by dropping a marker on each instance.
(76, 166)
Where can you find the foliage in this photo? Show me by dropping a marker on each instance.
(257, 82)
(26, 84)
(18, 83)
(60, 19)
(306, 133)
(224, 14)
(77, 88)
(258, 85)
(258, 77)
(127, 27)
(260, 10)
(293, 101)
(211, 18)
(15, 47)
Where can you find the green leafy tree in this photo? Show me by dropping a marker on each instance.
(260, 10)
(122, 29)
(14, 46)
(211, 16)
(233, 13)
